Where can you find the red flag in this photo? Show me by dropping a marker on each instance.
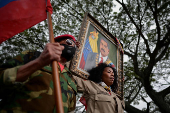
(83, 101)
(19, 15)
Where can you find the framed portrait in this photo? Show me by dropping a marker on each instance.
(97, 45)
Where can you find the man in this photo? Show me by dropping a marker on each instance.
(93, 59)
(26, 83)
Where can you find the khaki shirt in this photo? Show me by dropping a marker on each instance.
(98, 100)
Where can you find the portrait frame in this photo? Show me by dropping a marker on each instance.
(90, 36)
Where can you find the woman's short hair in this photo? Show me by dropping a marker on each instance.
(96, 75)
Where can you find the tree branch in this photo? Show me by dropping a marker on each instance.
(139, 30)
(157, 23)
(127, 53)
(167, 36)
(161, 54)
(156, 97)
(103, 15)
(74, 11)
(107, 24)
(130, 109)
(163, 6)
(136, 94)
(134, 58)
(164, 43)
(164, 92)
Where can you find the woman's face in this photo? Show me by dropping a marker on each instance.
(108, 76)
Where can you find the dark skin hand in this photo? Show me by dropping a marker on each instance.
(77, 44)
(51, 52)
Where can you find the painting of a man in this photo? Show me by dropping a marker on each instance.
(97, 46)
(96, 50)
(93, 59)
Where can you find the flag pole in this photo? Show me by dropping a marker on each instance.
(56, 79)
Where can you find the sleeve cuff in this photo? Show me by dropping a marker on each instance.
(10, 75)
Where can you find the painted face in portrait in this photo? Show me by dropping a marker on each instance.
(108, 76)
(104, 48)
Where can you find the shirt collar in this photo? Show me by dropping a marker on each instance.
(104, 58)
(105, 86)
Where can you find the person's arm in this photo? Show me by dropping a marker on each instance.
(8, 70)
(26, 70)
(51, 52)
(82, 84)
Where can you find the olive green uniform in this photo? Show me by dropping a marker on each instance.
(36, 94)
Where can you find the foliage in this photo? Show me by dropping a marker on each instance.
(31, 39)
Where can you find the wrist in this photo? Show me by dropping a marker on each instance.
(39, 63)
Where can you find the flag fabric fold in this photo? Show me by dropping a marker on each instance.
(19, 15)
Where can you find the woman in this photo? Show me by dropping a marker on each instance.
(99, 90)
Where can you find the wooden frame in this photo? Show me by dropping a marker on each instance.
(91, 36)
